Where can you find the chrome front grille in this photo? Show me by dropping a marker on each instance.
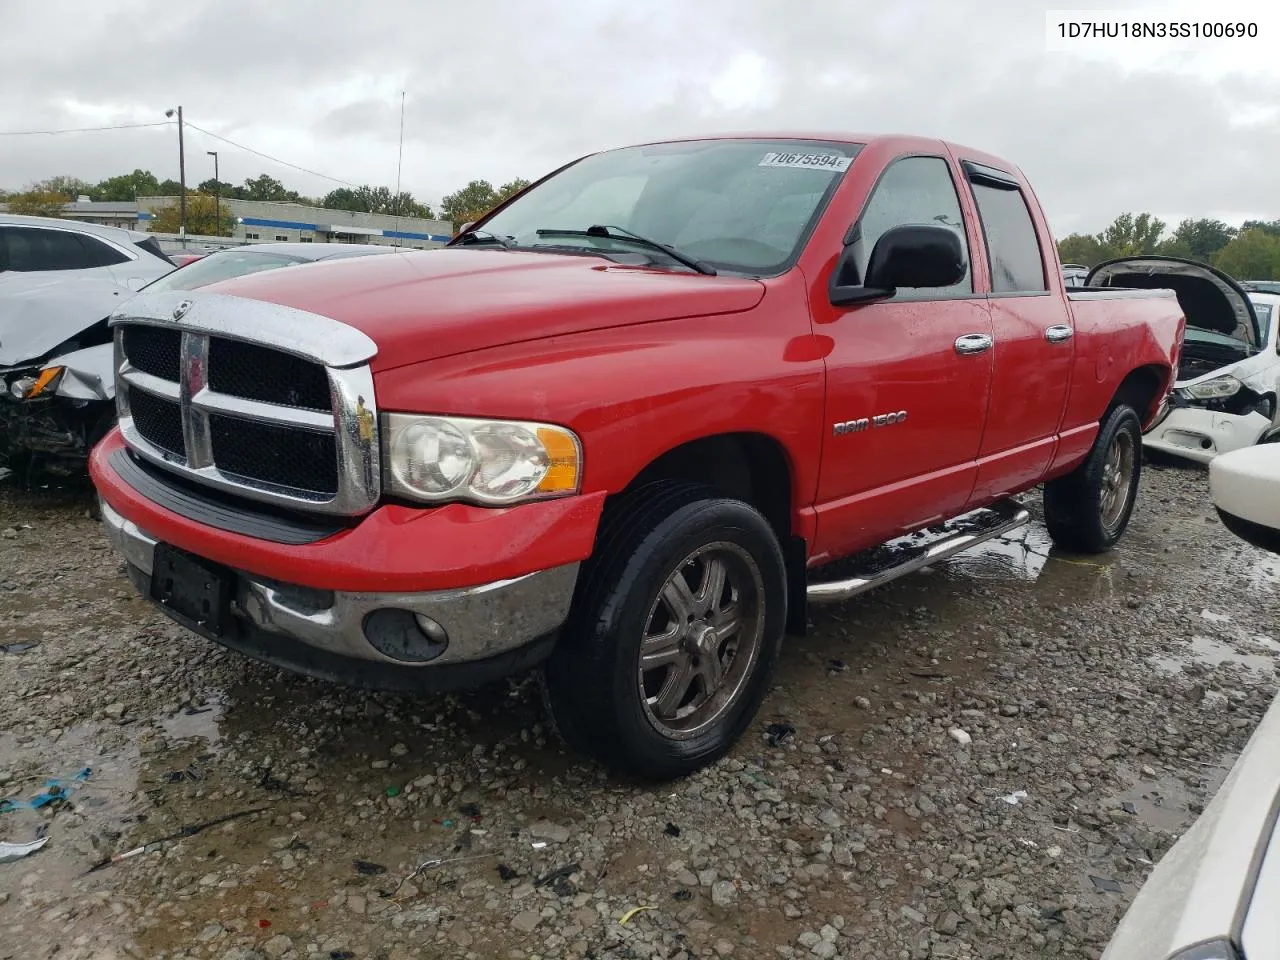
(250, 398)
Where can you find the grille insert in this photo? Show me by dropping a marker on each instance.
(158, 420)
(154, 351)
(261, 373)
(284, 456)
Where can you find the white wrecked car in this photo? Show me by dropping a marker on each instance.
(1229, 373)
(57, 382)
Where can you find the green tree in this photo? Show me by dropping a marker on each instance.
(1203, 238)
(1081, 248)
(1253, 255)
(70, 187)
(169, 188)
(368, 199)
(38, 203)
(1271, 227)
(511, 189)
(217, 187)
(128, 186)
(1130, 236)
(343, 198)
(1176, 247)
(264, 187)
(201, 219)
(470, 203)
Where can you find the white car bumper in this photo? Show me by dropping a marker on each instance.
(1201, 435)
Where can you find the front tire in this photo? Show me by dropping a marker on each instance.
(1088, 510)
(674, 633)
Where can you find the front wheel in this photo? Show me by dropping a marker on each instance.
(676, 627)
(1088, 510)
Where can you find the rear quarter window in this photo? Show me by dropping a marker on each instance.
(1012, 244)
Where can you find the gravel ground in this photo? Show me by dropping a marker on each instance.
(979, 761)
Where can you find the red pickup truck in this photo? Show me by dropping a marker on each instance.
(625, 425)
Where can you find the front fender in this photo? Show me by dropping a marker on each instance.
(87, 374)
(635, 393)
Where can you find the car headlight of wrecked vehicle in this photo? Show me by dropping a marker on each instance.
(1215, 389)
(28, 388)
(489, 462)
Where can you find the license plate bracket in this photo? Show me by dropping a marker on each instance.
(196, 591)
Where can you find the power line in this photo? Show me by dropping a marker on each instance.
(49, 133)
(267, 156)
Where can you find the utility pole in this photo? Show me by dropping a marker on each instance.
(182, 174)
(217, 195)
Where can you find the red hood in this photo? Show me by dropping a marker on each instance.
(433, 303)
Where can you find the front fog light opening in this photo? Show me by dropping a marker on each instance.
(405, 636)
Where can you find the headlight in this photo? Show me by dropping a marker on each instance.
(19, 388)
(47, 380)
(1215, 389)
(492, 462)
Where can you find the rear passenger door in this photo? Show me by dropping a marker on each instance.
(1034, 339)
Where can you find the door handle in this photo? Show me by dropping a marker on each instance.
(973, 343)
(1058, 333)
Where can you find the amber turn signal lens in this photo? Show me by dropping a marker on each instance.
(562, 449)
(47, 376)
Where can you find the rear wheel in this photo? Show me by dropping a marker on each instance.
(674, 633)
(1088, 510)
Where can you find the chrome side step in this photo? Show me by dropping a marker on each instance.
(908, 554)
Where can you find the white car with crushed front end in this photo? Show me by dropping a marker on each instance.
(1228, 379)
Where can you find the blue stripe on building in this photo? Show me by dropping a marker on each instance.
(404, 235)
(279, 224)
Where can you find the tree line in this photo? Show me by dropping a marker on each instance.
(49, 198)
(1250, 251)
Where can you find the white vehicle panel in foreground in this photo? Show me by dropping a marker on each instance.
(1201, 889)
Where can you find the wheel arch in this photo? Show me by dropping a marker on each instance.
(754, 467)
(1144, 388)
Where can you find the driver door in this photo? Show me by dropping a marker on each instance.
(908, 380)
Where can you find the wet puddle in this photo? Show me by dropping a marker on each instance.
(196, 722)
(1169, 803)
(1018, 555)
(77, 786)
(1211, 652)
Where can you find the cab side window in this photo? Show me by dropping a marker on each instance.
(1012, 245)
(912, 191)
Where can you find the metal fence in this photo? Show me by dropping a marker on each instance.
(196, 243)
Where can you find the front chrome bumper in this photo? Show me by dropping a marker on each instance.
(481, 623)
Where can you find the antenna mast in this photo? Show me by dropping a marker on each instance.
(399, 165)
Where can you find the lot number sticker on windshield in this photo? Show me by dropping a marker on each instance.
(807, 161)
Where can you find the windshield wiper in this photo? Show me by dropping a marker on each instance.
(481, 236)
(621, 233)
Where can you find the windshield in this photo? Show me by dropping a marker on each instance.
(222, 265)
(742, 206)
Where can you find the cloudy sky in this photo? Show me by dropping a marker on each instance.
(509, 88)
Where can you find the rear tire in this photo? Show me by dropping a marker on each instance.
(696, 584)
(1088, 510)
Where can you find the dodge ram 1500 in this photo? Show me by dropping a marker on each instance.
(624, 426)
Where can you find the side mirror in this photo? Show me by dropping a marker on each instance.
(465, 227)
(907, 256)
